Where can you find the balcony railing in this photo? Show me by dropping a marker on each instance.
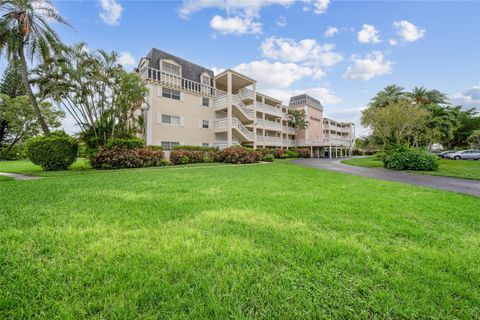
(221, 101)
(223, 124)
(269, 124)
(245, 94)
(289, 142)
(269, 109)
(288, 129)
(176, 82)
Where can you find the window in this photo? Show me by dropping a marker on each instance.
(205, 144)
(168, 145)
(205, 124)
(167, 119)
(172, 94)
(205, 102)
(206, 80)
(170, 68)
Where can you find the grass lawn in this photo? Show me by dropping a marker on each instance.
(254, 241)
(448, 168)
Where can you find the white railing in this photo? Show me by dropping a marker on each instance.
(288, 129)
(269, 124)
(269, 109)
(221, 101)
(223, 123)
(177, 82)
(289, 142)
(269, 140)
(245, 94)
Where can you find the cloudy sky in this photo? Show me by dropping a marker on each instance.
(341, 52)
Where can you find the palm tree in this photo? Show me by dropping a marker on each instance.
(390, 94)
(298, 119)
(24, 32)
(422, 96)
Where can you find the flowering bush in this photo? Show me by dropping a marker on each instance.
(238, 154)
(190, 156)
(303, 152)
(119, 157)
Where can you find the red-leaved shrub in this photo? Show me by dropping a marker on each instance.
(238, 154)
(190, 156)
(119, 157)
(303, 152)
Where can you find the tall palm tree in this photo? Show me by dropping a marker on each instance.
(421, 96)
(298, 119)
(389, 94)
(24, 32)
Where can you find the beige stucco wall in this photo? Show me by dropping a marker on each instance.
(191, 110)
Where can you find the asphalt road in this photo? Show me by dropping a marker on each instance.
(471, 187)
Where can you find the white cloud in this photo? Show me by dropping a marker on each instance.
(307, 51)
(368, 34)
(217, 71)
(408, 31)
(321, 6)
(241, 14)
(469, 98)
(274, 74)
(372, 65)
(111, 12)
(330, 32)
(281, 21)
(126, 59)
(235, 25)
(393, 42)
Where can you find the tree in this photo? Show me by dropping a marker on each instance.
(298, 118)
(390, 94)
(397, 123)
(25, 33)
(422, 96)
(474, 139)
(22, 121)
(103, 98)
(468, 122)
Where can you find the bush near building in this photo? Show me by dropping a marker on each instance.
(52, 153)
(181, 156)
(303, 152)
(410, 159)
(119, 157)
(238, 154)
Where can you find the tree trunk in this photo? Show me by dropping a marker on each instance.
(33, 100)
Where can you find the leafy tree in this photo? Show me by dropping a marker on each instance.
(397, 123)
(298, 118)
(468, 121)
(103, 98)
(25, 33)
(22, 121)
(474, 139)
(422, 96)
(390, 94)
(11, 83)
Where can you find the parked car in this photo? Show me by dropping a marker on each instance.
(464, 155)
(443, 154)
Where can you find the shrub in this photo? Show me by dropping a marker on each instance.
(411, 159)
(154, 148)
(284, 156)
(191, 156)
(17, 152)
(268, 157)
(118, 157)
(52, 153)
(132, 143)
(278, 153)
(238, 154)
(303, 152)
(292, 154)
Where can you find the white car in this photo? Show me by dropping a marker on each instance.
(464, 155)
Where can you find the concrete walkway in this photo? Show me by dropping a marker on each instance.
(18, 176)
(471, 187)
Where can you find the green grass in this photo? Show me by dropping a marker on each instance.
(28, 168)
(448, 168)
(255, 241)
(3, 178)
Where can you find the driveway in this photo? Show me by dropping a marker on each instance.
(471, 187)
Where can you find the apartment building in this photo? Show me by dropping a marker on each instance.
(189, 105)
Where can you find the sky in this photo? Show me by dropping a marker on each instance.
(340, 52)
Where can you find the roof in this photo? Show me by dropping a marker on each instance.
(308, 100)
(190, 70)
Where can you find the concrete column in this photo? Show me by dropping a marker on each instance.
(229, 108)
(255, 116)
(263, 125)
(311, 151)
(330, 152)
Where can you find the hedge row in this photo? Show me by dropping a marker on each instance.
(118, 157)
(191, 156)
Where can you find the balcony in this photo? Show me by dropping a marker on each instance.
(271, 125)
(265, 108)
(289, 130)
(289, 142)
(270, 141)
(175, 82)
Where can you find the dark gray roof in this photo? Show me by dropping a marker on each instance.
(309, 101)
(190, 70)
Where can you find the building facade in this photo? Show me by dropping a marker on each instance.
(189, 105)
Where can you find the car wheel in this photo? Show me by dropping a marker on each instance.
(456, 158)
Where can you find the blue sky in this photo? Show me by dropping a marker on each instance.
(284, 44)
